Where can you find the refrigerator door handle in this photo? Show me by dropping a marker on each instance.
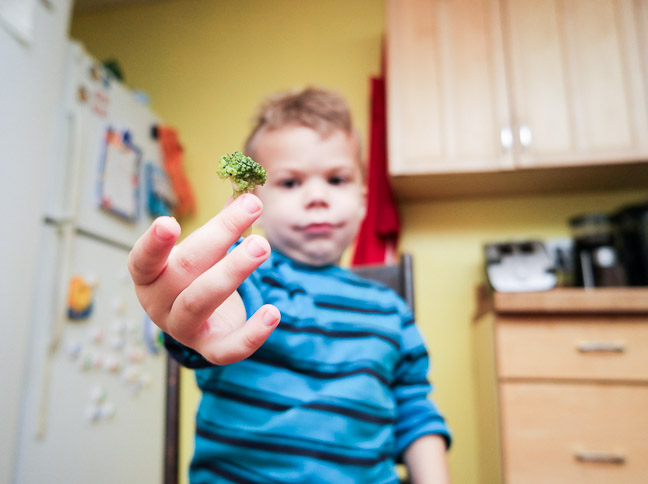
(60, 222)
(67, 225)
(66, 228)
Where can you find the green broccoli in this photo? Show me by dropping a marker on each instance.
(242, 171)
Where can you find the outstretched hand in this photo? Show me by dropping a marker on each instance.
(189, 290)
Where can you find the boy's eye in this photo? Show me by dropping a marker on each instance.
(289, 183)
(338, 180)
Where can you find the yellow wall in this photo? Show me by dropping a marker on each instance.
(446, 239)
(206, 64)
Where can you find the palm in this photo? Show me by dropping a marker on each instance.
(228, 317)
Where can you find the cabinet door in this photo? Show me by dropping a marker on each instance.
(574, 433)
(446, 87)
(576, 83)
(641, 7)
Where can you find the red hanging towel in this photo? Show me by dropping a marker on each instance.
(378, 237)
(172, 152)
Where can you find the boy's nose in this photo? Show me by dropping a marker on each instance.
(317, 203)
(316, 195)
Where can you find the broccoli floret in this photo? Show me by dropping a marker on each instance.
(242, 171)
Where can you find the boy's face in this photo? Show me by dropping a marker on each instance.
(314, 199)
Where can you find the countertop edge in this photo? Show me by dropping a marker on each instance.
(574, 300)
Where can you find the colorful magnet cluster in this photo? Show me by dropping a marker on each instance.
(101, 349)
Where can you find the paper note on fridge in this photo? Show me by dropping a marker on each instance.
(119, 187)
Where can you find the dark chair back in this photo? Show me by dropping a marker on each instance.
(397, 276)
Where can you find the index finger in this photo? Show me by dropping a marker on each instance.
(149, 255)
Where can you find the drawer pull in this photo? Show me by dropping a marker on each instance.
(600, 346)
(600, 457)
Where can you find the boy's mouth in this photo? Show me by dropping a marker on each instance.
(322, 228)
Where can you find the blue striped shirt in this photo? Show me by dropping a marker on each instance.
(336, 393)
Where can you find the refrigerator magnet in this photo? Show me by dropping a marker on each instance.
(95, 73)
(131, 373)
(108, 410)
(136, 354)
(98, 394)
(146, 380)
(73, 350)
(86, 361)
(80, 295)
(112, 365)
(100, 102)
(97, 361)
(82, 94)
(96, 335)
(92, 413)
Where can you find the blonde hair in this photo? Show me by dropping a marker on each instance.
(319, 109)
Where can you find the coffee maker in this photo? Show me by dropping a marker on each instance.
(631, 231)
(596, 257)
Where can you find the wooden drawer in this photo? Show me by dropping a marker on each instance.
(546, 426)
(573, 347)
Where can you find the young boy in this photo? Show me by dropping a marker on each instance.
(337, 392)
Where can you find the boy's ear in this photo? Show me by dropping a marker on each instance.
(364, 195)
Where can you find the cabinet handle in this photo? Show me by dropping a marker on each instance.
(600, 346)
(525, 136)
(600, 457)
(506, 137)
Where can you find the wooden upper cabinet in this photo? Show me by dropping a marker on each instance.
(641, 8)
(486, 85)
(575, 81)
(447, 101)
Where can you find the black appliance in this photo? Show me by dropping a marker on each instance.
(631, 231)
(596, 258)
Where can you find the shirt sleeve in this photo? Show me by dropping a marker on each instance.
(185, 355)
(417, 415)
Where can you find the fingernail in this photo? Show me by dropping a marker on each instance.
(254, 248)
(250, 204)
(163, 233)
(270, 317)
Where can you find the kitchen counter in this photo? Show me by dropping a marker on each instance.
(574, 300)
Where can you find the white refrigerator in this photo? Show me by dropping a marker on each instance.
(94, 404)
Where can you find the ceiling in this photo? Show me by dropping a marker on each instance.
(84, 6)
